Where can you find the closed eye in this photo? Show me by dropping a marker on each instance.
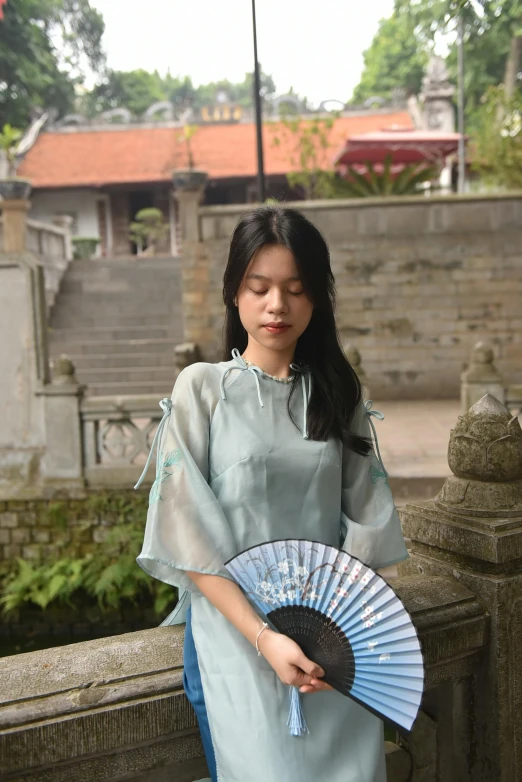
(262, 293)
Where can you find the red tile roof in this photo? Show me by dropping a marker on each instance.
(106, 157)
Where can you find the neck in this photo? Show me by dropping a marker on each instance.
(273, 362)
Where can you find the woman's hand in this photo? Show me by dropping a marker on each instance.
(290, 663)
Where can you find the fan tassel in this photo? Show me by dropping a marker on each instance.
(296, 721)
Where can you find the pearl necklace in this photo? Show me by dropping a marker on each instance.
(272, 377)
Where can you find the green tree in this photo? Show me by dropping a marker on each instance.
(310, 148)
(134, 90)
(395, 59)
(240, 93)
(46, 49)
(497, 139)
(139, 89)
(492, 41)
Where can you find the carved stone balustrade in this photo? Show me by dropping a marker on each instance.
(114, 708)
(473, 532)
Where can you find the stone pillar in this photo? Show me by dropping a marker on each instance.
(23, 365)
(63, 464)
(14, 212)
(189, 186)
(481, 377)
(473, 530)
(195, 262)
(354, 357)
(185, 354)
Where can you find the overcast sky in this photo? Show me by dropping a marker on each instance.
(314, 46)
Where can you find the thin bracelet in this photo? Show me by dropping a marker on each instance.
(265, 625)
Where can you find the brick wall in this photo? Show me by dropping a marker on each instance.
(419, 281)
(41, 531)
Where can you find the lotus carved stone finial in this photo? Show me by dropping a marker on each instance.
(486, 443)
(485, 456)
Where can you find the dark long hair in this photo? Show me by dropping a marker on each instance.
(336, 390)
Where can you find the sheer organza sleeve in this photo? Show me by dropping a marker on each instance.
(370, 525)
(186, 528)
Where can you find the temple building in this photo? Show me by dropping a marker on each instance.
(102, 175)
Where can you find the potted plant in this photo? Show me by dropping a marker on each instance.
(84, 247)
(11, 186)
(148, 229)
(189, 178)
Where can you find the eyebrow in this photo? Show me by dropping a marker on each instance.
(262, 277)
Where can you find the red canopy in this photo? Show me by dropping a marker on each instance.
(404, 146)
(2, 2)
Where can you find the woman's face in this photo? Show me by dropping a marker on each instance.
(273, 307)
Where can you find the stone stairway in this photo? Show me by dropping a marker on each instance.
(118, 321)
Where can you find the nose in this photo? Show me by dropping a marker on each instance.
(277, 301)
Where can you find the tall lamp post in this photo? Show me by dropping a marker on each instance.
(259, 125)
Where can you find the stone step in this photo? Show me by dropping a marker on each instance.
(119, 321)
(131, 360)
(128, 375)
(68, 320)
(102, 334)
(138, 299)
(119, 389)
(111, 347)
(79, 268)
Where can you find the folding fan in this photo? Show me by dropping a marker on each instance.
(344, 617)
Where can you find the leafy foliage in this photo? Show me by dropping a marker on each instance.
(400, 49)
(489, 27)
(9, 138)
(395, 59)
(311, 147)
(384, 183)
(137, 90)
(46, 49)
(109, 574)
(497, 140)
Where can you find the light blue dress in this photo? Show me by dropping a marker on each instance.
(234, 470)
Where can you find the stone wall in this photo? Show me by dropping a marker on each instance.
(39, 528)
(419, 281)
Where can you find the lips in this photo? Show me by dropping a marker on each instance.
(277, 328)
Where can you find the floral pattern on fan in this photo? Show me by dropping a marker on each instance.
(344, 616)
(292, 581)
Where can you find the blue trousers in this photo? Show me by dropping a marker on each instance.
(194, 691)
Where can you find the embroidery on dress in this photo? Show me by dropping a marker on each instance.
(173, 459)
(376, 473)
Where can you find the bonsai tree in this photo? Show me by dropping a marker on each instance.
(9, 138)
(148, 229)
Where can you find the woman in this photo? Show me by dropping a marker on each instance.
(272, 443)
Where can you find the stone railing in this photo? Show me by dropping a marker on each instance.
(117, 434)
(114, 708)
(51, 245)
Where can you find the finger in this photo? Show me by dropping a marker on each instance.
(319, 685)
(301, 678)
(309, 666)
